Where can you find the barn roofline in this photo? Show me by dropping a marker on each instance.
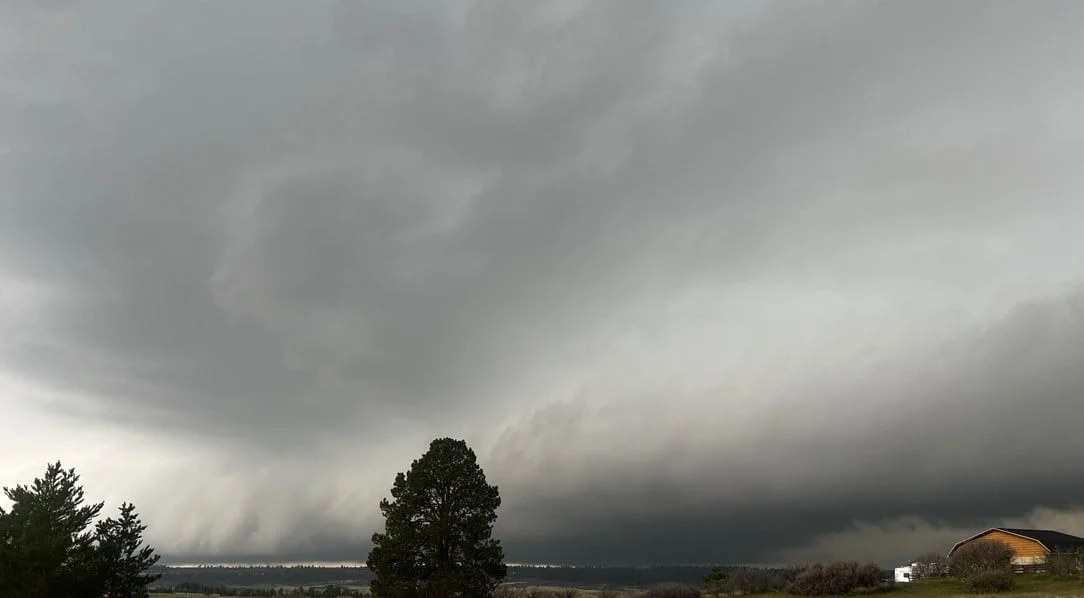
(996, 529)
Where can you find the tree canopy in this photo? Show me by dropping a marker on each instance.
(50, 546)
(438, 529)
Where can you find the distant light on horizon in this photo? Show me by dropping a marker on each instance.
(329, 564)
(362, 565)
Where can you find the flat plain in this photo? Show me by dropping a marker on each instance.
(1030, 586)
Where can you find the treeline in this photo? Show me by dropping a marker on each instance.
(636, 577)
(597, 577)
(327, 591)
(835, 578)
(291, 577)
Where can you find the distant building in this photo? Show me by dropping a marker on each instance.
(903, 574)
(1030, 546)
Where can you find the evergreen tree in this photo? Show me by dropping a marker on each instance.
(49, 549)
(438, 529)
(123, 558)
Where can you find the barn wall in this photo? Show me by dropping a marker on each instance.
(1026, 551)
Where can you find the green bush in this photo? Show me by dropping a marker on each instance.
(992, 581)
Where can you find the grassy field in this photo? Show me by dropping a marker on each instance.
(1032, 586)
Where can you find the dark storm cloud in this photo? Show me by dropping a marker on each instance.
(968, 435)
(683, 274)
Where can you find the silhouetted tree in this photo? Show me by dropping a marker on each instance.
(48, 548)
(438, 529)
(123, 557)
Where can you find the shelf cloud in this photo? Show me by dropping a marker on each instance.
(752, 282)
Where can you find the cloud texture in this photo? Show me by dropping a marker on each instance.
(700, 282)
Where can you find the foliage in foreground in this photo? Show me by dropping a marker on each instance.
(438, 529)
(819, 579)
(980, 556)
(930, 566)
(49, 548)
(992, 581)
(748, 580)
(1066, 563)
(837, 578)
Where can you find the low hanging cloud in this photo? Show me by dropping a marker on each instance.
(753, 282)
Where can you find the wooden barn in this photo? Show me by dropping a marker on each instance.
(1030, 546)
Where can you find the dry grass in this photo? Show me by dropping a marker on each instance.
(1034, 586)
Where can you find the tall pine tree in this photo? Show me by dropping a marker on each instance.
(123, 558)
(438, 529)
(49, 548)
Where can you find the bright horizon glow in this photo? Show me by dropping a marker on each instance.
(362, 565)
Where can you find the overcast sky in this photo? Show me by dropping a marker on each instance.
(742, 281)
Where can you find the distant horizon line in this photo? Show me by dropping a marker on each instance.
(362, 565)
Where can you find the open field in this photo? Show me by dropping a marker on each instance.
(1031, 586)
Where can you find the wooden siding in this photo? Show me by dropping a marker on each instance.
(1025, 549)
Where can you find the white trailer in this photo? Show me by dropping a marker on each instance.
(903, 574)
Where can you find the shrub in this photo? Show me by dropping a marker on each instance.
(993, 580)
(672, 591)
(758, 581)
(980, 556)
(810, 581)
(868, 576)
(715, 582)
(566, 593)
(930, 565)
(835, 579)
(1065, 563)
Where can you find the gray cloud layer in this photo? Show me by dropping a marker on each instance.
(701, 282)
